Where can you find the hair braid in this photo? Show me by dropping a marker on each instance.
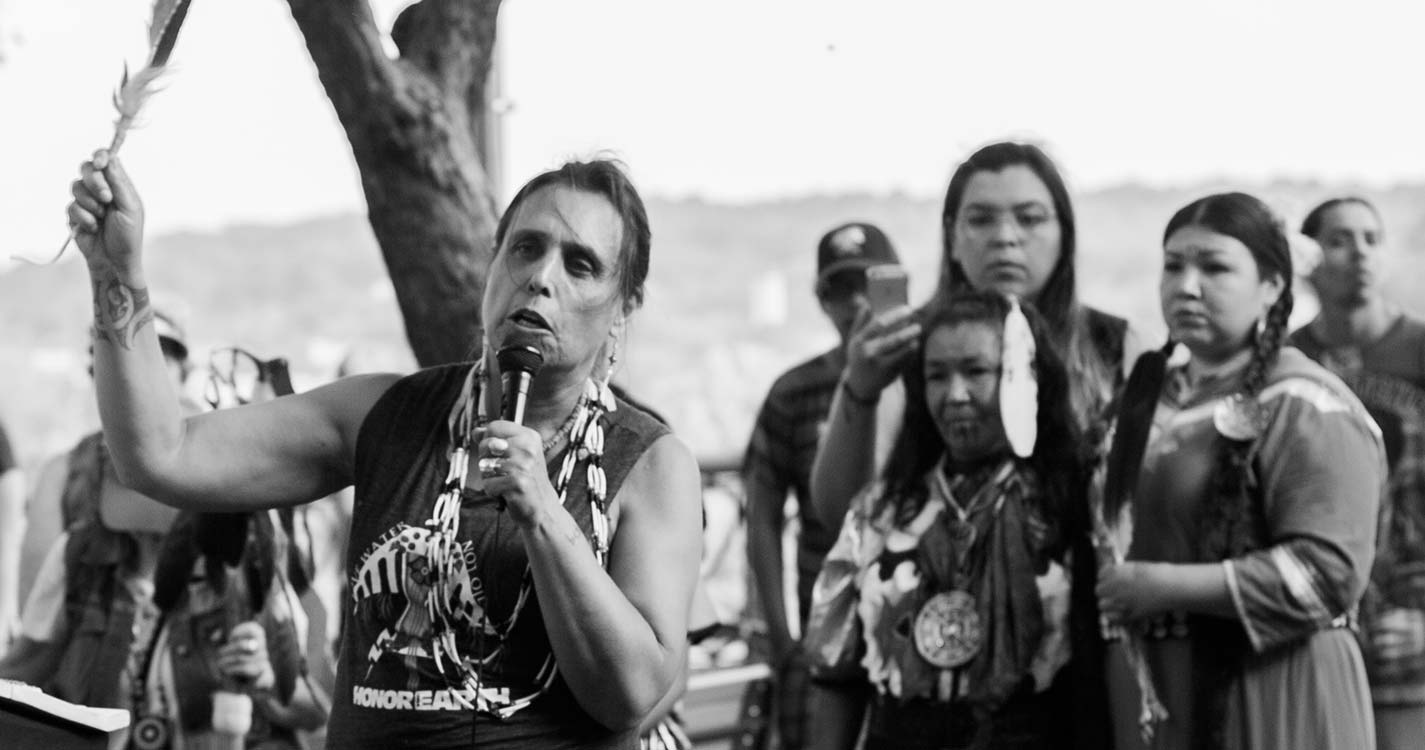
(1232, 523)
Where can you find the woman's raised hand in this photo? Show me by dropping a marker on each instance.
(106, 214)
(879, 345)
(1130, 590)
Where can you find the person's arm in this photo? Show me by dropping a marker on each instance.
(765, 481)
(619, 638)
(12, 536)
(285, 451)
(669, 701)
(846, 457)
(764, 556)
(247, 659)
(43, 626)
(1133, 589)
(1322, 474)
(306, 710)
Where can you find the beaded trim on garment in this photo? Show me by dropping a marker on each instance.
(586, 444)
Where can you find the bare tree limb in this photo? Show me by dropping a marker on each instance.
(413, 124)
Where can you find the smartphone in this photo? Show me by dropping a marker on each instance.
(886, 287)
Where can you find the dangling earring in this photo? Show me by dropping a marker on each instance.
(1259, 328)
(606, 394)
(480, 363)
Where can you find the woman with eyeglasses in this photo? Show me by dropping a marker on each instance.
(1009, 227)
(514, 584)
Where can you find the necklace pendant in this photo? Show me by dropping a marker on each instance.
(1238, 418)
(948, 632)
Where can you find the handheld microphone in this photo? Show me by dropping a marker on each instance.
(518, 366)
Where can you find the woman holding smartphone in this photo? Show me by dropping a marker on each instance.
(1008, 226)
(956, 554)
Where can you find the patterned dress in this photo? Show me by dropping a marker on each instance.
(1318, 470)
(989, 547)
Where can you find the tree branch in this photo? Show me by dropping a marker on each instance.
(345, 45)
(413, 126)
(452, 42)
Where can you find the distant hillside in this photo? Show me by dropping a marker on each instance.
(729, 304)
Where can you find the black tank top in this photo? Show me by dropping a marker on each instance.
(389, 692)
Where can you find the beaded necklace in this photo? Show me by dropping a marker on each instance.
(586, 444)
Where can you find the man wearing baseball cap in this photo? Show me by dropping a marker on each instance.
(780, 454)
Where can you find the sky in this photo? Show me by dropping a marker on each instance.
(738, 100)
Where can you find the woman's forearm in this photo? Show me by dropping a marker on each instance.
(612, 658)
(12, 534)
(764, 558)
(138, 403)
(305, 710)
(845, 458)
(1199, 588)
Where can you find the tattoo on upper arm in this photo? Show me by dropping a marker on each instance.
(120, 311)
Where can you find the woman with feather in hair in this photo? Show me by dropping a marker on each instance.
(957, 554)
(1247, 482)
(1009, 227)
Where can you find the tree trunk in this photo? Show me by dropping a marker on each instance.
(414, 124)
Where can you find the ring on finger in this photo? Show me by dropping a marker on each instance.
(488, 466)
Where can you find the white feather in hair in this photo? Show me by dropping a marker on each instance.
(1018, 389)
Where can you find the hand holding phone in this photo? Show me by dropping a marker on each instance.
(886, 287)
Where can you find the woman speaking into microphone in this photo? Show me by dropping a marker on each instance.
(513, 585)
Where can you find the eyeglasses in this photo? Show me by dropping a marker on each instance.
(235, 374)
(1029, 218)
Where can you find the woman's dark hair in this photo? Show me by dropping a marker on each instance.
(1058, 300)
(222, 541)
(1230, 523)
(607, 178)
(1311, 225)
(1232, 520)
(919, 447)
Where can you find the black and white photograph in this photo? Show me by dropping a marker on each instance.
(783, 375)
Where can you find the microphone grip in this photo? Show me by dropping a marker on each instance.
(515, 384)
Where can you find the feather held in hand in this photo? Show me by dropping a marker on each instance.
(135, 90)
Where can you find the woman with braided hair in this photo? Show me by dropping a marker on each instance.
(1248, 479)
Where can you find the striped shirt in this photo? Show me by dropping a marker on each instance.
(783, 446)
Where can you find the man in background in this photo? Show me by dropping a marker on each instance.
(779, 459)
(1379, 351)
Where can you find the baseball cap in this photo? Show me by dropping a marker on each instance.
(853, 246)
(170, 334)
